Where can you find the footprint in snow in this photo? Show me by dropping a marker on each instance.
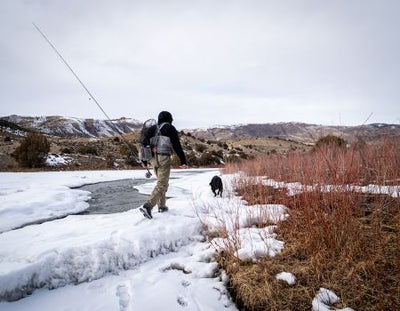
(123, 293)
(182, 301)
(185, 283)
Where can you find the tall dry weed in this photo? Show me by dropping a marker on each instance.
(361, 164)
(340, 239)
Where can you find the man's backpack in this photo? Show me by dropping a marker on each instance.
(161, 144)
(152, 142)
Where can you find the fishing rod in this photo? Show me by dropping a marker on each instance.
(148, 174)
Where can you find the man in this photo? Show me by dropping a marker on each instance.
(164, 139)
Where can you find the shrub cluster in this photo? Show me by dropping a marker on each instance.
(330, 141)
(207, 158)
(129, 152)
(88, 149)
(66, 150)
(32, 151)
(223, 145)
(191, 158)
(110, 160)
(200, 147)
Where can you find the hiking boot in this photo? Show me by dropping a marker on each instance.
(163, 209)
(146, 211)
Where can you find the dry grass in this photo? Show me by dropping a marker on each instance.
(343, 240)
(357, 164)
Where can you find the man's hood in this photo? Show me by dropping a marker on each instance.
(164, 116)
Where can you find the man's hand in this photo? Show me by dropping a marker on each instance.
(183, 166)
(144, 165)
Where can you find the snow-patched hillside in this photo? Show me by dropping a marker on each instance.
(301, 132)
(296, 131)
(69, 126)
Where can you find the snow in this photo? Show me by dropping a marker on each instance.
(324, 298)
(56, 160)
(296, 187)
(78, 126)
(252, 243)
(104, 128)
(233, 216)
(50, 257)
(37, 121)
(14, 132)
(287, 277)
(116, 261)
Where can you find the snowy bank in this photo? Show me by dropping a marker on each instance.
(84, 248)
(123, 261)
(119, 259)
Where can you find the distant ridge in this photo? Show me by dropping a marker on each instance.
(296, 131)
(75, 127)
(301, 132)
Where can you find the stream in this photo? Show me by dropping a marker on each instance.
(114, 196)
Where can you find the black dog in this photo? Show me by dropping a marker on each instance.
(216, 186)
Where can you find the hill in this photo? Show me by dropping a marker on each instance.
(97, 144)
(78, 148)
(295, 131)
(300, 132)
(75, 127)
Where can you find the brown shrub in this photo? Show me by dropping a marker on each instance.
(330, 141)
(192, 159)
(32, 151)
(88, 149)
(200, 147)
(207, 158)
(130, 153)
(110, 160)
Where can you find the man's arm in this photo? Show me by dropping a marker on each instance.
(176, 145)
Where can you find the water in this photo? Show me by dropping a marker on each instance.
(114, 196)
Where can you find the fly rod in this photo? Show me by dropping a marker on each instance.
(148, 174)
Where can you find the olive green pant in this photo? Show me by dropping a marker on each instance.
(162, 168)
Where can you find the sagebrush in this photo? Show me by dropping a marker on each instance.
(32, 151)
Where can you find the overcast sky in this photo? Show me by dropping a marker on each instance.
(208, 62)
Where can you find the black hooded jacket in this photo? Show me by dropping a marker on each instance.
(167, 130)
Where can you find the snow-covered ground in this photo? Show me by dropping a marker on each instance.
(105, 262)
(296, 187)
(124, 261)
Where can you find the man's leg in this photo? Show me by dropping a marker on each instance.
(162, 172)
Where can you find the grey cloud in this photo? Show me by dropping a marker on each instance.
(209, 62)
